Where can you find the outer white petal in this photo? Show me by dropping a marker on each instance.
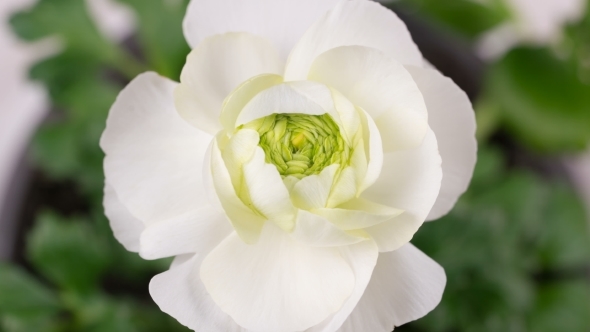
(405, 286)
(362, 258)
(267, 191)
(246, 222)
(382, 87)
(452, 119)
(356, 22)
(216, 68)
(315, 230)
(196, 232)
(303, 97)
(411, 183)
(180, 293)
(281, 21)
(278, 284)
(126, 228)
(153, 158)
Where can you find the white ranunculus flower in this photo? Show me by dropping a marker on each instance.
(290, 168)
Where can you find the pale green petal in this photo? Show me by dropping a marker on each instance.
(312, 192)
(267, 191)
(238, 151)
(358, 214)
(344, 188)
(346, 116)
(373, 149)
(247, 224)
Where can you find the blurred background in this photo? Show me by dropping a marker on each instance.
(516, 249)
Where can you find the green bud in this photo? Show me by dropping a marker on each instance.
(301, 145)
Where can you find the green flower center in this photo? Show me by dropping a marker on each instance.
(301, 145)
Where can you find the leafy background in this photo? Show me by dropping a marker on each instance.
(516, 248)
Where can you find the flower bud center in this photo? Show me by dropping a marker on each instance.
(301, 145)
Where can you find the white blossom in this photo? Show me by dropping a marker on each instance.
(287, 172)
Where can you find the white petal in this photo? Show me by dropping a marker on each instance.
(126, 228)
(317, 231)
(281, 21)
(196, 232)
(267, 191)
(216, 68)
(180, 293)
(373, 149)
(312, 191)
(247, 224)
(405, 286)
(411, 183)
(346, 116)
(382, 87)
(278, 284)
(153, 158)
(357, 22)
(362, 258)
(303, 97)
(358, 214)
(235, 102)
(238, 151)
(452, 119)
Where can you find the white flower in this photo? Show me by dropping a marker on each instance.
(537, 22)
(290, 168)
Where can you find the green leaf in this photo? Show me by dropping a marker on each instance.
(68, 252)
(562, 307)
(543, 102)
(99, 313)
(466, 17)
(15, 324)
(68, 19)
(22, 297)
(160, 34)
(507, 230)
(564, 234)
(68, 145)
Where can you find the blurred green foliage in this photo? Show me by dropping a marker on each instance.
(540, 94)
(516, 248)
(467, 17)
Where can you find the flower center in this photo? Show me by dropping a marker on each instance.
(300, 145)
